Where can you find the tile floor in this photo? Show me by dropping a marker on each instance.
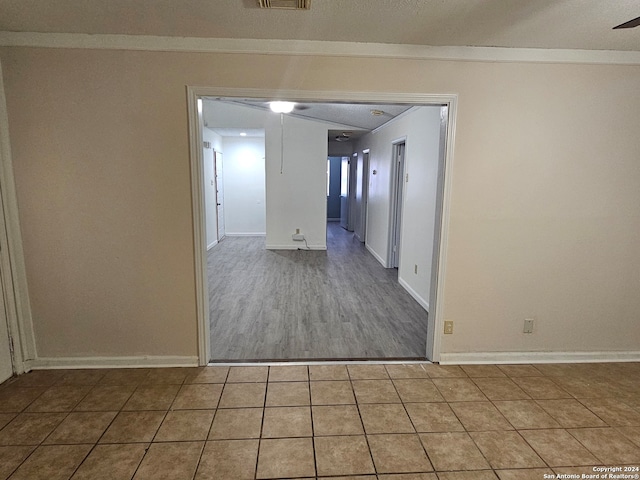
(402, 422)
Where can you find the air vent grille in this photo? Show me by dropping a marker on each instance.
(286, 4)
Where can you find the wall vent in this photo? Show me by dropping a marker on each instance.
(286, 4)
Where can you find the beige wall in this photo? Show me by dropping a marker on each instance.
(544, 208)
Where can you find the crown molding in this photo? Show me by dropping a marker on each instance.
(316, 48)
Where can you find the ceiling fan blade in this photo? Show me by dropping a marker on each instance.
(630, 24)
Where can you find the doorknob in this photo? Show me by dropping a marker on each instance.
(218, 204)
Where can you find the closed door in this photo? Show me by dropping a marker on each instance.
(6, 366)
(219, 195)
(397, 207)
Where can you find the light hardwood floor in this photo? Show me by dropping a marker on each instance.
(288, 304)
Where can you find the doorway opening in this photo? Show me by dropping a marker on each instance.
(364, 218)
(395, 229)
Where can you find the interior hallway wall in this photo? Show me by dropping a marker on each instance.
(543, 223)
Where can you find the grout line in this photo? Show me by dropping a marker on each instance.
(264, 407)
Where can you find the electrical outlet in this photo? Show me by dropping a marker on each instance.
(448, 327)
(528, 325)
(415, 269)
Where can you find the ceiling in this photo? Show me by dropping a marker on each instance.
(559, 24)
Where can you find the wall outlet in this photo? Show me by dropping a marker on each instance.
(298, 237)
(415, 269)
(448, 327)
(528, 325)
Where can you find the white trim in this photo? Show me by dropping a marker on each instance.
(195, 125)
(295, 247)
(211, 245)
(416, 296)
(536, 357)
(312, 47)
(113, 362)
(245, 234)
(14, 275)
(375, 255)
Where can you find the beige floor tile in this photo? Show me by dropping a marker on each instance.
(444, 371)
(480, 416)
(232, 459)
(558, 448)
(581, 387)
(433, 417)
(525, 414)
(11, 458)
(570, 413)
(351, 477)
(6, 418)
(614, 412)
(125, 376)
(408, 476)
(130, 427)
(288, 394)
(385, 418)
(367, 372)
(170, 461)
(336, 420)
(401, 453)
(39, 378)
(30, 428)
(500, 389)
(104, 398)
(52, 462)
(332, 393)
(294, 373)
(208, 375)
(458, 390)
(346, 455)
(286, 458)
(165, 376)
(556, 369)
(453, 451)
(328, 372)
(111, 462)
(417, 390)
(478, 371)
(520, 370)
(185, 425)
(248, 374)
(506, 450)
(414, 370)
(239, 395)
(236, 423)
(59, 399)
(286, 422)
(198, 396)
(16, 399)
(632, 433)
(152, 397)
(82, 377)
(608, 445)
(375, 391)
(477, 475)
(524, 474)
(541, 388)
(81, 427)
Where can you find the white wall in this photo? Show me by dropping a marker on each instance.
(421, 130)
(296, 197)
(244, 186)
(211, 219)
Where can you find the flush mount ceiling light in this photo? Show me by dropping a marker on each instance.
(343, 137)
(286, 4)
(281, 107)
(377, 113)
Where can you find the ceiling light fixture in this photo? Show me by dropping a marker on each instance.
(281, 107)
(377, 113)
(243, 134)
(286, 4)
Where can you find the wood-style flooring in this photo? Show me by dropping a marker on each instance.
(294, 304)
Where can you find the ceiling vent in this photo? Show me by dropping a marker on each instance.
(286, 4)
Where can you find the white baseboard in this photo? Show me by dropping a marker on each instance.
(296, 247)
(423, 303)
(245, 234)
(536, 357)
(375, 255)
(52, 363)
(213, 244)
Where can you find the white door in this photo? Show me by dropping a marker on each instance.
(6, 367)
(219, 194)
(397, 209)
(344, 193)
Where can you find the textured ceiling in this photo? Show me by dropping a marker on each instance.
(566, 24)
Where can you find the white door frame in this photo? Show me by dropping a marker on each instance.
(197, 195)
(396, 201)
